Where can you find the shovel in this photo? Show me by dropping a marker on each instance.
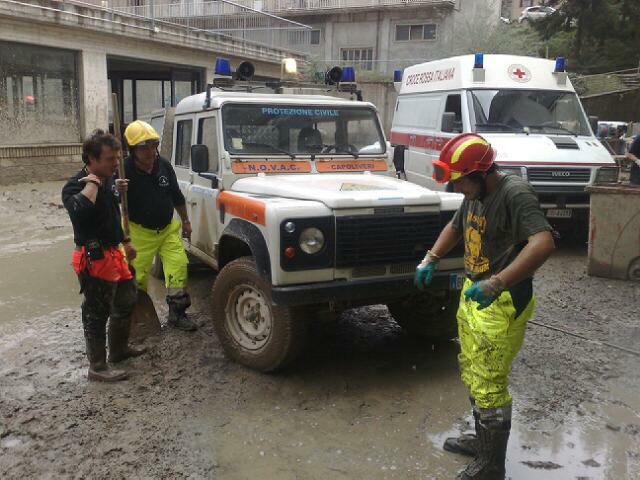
(144, 319)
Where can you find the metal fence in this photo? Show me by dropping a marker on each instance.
(223, 17)
(603, 83)
(283, 6)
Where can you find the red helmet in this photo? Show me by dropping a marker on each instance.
(462, 155)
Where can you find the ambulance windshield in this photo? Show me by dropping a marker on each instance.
(301, 130)
(529, 111)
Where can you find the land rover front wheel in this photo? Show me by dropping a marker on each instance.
(252, 330)
(431, 315)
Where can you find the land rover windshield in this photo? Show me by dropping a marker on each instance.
(527, 111)
(301, 130)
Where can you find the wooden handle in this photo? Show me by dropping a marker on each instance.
(118, 133)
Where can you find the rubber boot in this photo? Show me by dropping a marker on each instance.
(99, 371)
(494, 426)
(118, 337)
(178, 303)
(466, 444)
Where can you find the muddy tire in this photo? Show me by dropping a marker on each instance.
(252, 330)
(428, 315)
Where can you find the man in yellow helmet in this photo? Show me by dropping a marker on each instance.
(154, 194)
(506, 238)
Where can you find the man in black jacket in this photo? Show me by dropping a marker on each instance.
(92, 202)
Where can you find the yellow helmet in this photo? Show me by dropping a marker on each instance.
(140, 133)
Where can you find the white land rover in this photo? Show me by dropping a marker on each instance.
(293, 200)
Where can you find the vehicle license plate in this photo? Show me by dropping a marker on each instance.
(456, 281)
(559, 213)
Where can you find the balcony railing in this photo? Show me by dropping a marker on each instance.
(223, 17)
(309, 6)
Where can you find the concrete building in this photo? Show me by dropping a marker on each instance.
(59, 62)
(375, 36)
(378, 36)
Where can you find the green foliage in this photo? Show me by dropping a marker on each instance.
(595, 35)
(512, 39)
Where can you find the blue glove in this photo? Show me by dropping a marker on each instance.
(485, 292)
(424, 275)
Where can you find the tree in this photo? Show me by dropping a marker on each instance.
(597, 35)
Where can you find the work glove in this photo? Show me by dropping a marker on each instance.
(424, 271)
(485, 292)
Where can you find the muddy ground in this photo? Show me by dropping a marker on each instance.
(365, 401)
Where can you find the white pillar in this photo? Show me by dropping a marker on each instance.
(94, 91)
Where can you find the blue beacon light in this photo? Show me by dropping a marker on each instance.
(348, 75)
(397, 75)
(479, 60)
(223, 67)
(560, 64)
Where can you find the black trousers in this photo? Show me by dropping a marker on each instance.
(104, 300)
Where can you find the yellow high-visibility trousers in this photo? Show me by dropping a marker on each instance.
(166, 242)
(489, 341)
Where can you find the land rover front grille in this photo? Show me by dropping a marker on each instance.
(365, 240)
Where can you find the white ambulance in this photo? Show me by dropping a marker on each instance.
(526, 107)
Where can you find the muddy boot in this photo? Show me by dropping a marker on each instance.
(118, 337)
(465, 444)
(494, 426)
(178, 303)
(99, 371)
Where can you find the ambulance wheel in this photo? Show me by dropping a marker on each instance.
(252, 330)
(430, 315)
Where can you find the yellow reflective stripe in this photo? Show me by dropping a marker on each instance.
(472, 141)
(455, 175)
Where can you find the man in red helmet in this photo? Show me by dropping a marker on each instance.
(507, 238)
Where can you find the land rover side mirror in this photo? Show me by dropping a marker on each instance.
(448, 121)
(199, 158)
(200, 164)
(593, 121)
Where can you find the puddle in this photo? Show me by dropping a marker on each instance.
(582, 448)
(34, 284)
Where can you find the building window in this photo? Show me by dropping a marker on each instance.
(358, 57)
(315, 37)
(526, 3)
(406, 33)
(183, 143)
(38, 95)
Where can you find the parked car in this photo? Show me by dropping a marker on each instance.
(536, 13)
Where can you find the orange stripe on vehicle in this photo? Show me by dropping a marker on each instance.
(352, 166)
(272, 166)
(243, 207)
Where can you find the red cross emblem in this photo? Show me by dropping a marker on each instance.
(519, 73)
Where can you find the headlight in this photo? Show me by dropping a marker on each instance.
(519, 171)
(607, 175)
(311, 240)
